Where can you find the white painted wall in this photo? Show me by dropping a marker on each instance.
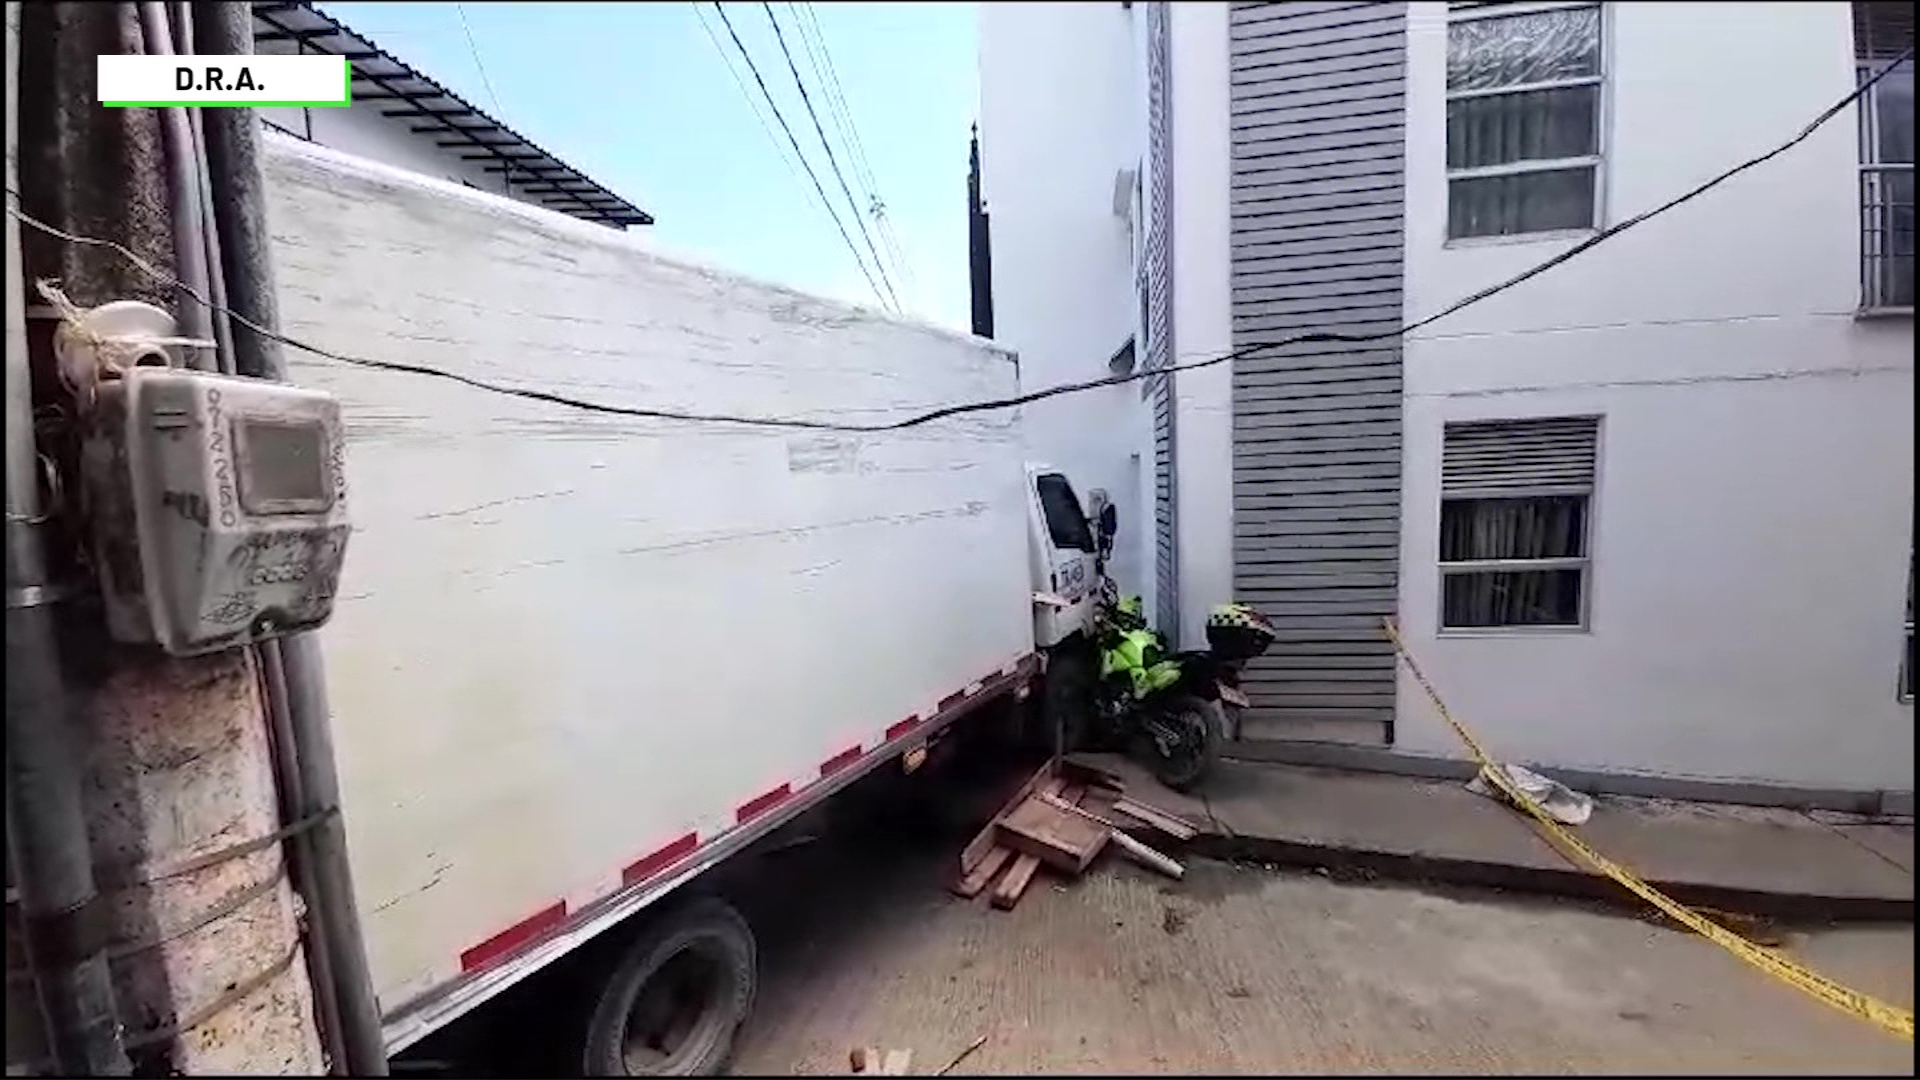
(1202, 310)
(1061, 88)
(1755, 503)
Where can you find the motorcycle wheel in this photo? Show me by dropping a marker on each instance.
(1199, 729)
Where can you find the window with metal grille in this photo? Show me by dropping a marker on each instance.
(1523, 119)
(1881, 32)
(1515, 510)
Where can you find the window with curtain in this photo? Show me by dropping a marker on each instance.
(1523, 119)
(1516, 498)
(1881, 32)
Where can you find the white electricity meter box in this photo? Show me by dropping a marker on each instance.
(218, 507)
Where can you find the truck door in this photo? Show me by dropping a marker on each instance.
(1069, 561)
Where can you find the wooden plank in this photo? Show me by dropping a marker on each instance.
(1093, 776)
(977, 848)
(1015, 881)
(1127, 821)
(976, 879)
(1013, 884)
(1140, 852)
(1053, 834)
(1173, 826)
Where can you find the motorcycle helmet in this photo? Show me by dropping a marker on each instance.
(1240, 615)
(1237, 633)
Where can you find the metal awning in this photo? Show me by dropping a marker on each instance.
(402, 93)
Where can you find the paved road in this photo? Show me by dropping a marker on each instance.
(1247, 970)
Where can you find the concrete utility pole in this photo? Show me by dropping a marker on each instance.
(204, 943)
(52, 908)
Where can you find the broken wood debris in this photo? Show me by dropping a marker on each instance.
(1013, 883)
(961, 1056)
(1141, 853)
(1063, 841)
(1045, 825)
(867, 1061)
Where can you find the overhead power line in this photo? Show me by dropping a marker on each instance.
(754, 104)
(833, 160)
(820, 57)
(461, 10)
(990, 404)
(818, 188)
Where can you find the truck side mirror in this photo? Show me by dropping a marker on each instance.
(1105, 520)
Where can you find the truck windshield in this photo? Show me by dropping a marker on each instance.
(1066, 524)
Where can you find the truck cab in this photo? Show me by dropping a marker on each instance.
(1062, 554)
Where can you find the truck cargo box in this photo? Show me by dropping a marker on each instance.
(578, 657)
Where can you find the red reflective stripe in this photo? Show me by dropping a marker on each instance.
(514, 937)
(841, 760)
(552, 918)
(760, 804)
(649, 865)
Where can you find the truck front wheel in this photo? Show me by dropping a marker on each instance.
(676, 998)
(1066, 700)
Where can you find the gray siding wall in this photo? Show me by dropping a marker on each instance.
(1159, 316)
(1318, 112)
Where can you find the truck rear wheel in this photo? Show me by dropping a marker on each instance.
(676, 998)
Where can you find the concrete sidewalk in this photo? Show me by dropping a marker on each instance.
(1778, 863)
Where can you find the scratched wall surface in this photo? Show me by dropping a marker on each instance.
(565, 638)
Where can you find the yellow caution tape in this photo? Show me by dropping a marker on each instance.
(1888, 1017)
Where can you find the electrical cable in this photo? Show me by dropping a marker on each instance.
(753, 103)
(833, 160)
(820, 57)
(807, 25)
(990, 404)
(461, 10)
(785, 127)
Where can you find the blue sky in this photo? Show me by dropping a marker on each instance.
(638, 97)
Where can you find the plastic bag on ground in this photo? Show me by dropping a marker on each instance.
(1562, 803)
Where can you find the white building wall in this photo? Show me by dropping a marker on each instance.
(1754, 509)
(1060, 119)
(1202, 319)
(1753, 520)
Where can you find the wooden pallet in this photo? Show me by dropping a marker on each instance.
(1044, 825)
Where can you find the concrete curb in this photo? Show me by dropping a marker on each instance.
(1385, 760)
(1568, 881)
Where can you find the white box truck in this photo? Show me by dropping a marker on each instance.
(578, 660)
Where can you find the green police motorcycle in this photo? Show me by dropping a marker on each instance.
(1169, 710)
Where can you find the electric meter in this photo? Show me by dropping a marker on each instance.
(218, 507)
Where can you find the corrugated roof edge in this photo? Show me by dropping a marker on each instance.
(607, 208)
